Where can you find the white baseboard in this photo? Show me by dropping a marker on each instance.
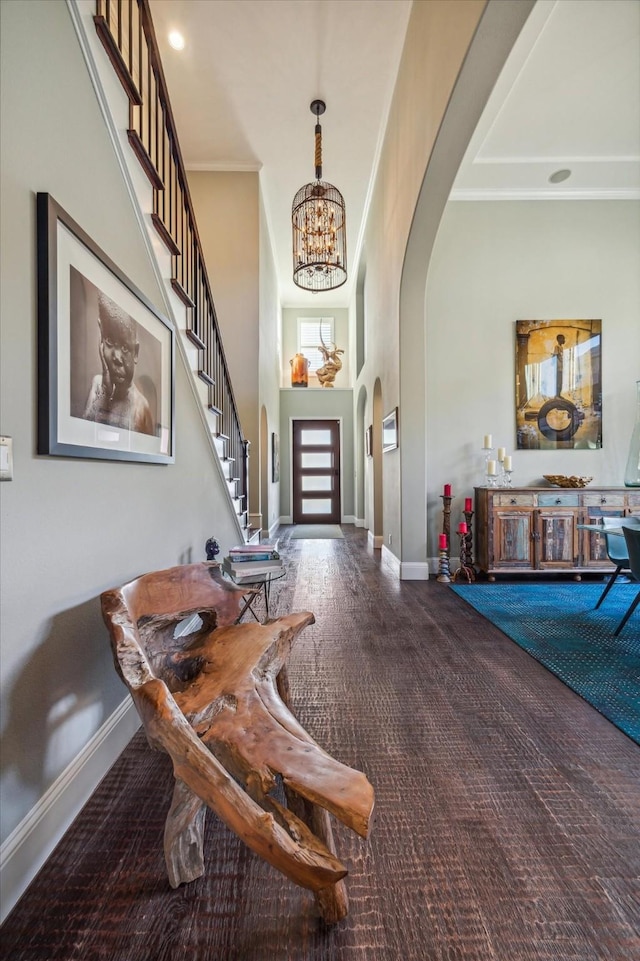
(414, 571)
(348, 519)
(286, 519)
(390, 560)
(360, 522)
(32, 841)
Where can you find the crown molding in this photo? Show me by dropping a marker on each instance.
(565, 160)
(507, 193)
(225, 166)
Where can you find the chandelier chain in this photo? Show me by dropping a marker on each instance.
(319, 227)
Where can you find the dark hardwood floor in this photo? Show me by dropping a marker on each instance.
(507, 824)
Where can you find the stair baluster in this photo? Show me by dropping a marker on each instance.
(127, 34)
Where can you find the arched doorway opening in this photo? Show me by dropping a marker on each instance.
(264, 471)
(495, 36)
(362, 460)
(376, 514)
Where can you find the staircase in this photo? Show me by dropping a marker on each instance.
(125, 29)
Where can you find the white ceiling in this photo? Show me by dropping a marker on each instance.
(242, 88)
(569, 97)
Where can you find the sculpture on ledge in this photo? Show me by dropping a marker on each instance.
(332, 363)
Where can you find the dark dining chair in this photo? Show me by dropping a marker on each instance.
(632, 538)
(616, 549)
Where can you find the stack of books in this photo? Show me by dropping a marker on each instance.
(252, 560)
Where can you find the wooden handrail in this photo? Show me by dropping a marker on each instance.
(126, 30)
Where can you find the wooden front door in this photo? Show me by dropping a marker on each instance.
(316, 472)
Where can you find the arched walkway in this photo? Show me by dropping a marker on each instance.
(376, 522)
(362, 465)
(496, 34)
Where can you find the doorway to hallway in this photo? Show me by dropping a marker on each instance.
(316, 472)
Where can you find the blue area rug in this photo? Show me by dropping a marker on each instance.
(556, 623)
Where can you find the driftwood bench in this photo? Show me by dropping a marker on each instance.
(215, 699)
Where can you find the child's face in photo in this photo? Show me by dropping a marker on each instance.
(120, 348)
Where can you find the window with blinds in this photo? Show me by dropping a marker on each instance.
(309, 339)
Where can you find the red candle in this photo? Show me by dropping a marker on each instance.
(447, 490)
(442, 542)
(467, 504)
(462, 527)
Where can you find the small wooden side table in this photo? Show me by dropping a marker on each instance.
(257, 586)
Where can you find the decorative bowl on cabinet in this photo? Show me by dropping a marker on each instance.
(561, 480)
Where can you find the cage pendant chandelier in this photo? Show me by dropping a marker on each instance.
(318, 218)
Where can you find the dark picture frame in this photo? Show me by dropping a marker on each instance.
(106, 355)
(390, 431)
(368, 440)
(275, 458)
(558, 384)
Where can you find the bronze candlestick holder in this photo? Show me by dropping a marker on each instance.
(443, 552)
(443, 565)
(465, 570)
(468, 516)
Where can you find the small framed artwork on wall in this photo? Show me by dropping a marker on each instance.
(368, 441)
(390, 431)
(275, 458)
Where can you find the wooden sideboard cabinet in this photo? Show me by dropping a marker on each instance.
(535, 529)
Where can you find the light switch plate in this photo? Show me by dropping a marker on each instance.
(6, 458)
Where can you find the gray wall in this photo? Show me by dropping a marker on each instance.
(493, 264)
(71, 528)
(235, 238)
(227, 212)
(270, 364)
(326, 403)
(437, 41)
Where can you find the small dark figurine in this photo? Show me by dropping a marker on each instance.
(212, 548)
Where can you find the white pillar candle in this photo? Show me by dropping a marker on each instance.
(491, 467)
(501, 452)
(487, 441)
(506, 462)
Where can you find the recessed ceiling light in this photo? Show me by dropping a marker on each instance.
(559, 176)
(176, 40)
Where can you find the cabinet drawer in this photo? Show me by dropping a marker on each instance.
(599, 500)
(633, 500)
(558, 500)
(513, 500)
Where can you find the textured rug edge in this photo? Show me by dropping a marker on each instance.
(466, 591)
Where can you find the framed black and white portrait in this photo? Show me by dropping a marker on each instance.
(105, 354)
